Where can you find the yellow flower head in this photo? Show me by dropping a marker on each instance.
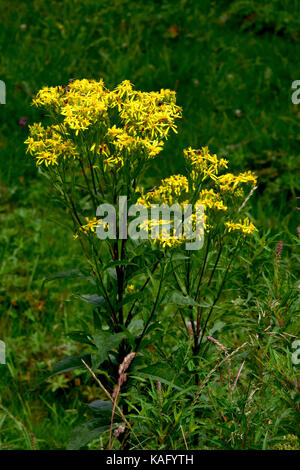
(203, 164)
(211, 200)
(230, 182)
(170, 190)
(48, 144)
(130, 289)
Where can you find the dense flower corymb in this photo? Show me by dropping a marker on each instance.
(143, 120)
(215, 191)
(48, 144)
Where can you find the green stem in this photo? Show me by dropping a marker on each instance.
(218, 294)
(130, 314)
(139, 340)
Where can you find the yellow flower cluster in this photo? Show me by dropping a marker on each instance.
(82, 103)
(165, 240)
(48, 144)
(245, 226)
(164, 237)
(90, 226)
(125, 128)
(177, 189)
(151, 114)
(211, 200)
(204, 164)
(144, 120)
(230, 182)
(170, 190)
(49, 96)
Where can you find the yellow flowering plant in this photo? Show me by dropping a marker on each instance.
(95, 150)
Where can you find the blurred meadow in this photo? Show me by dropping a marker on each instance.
(231, 64)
